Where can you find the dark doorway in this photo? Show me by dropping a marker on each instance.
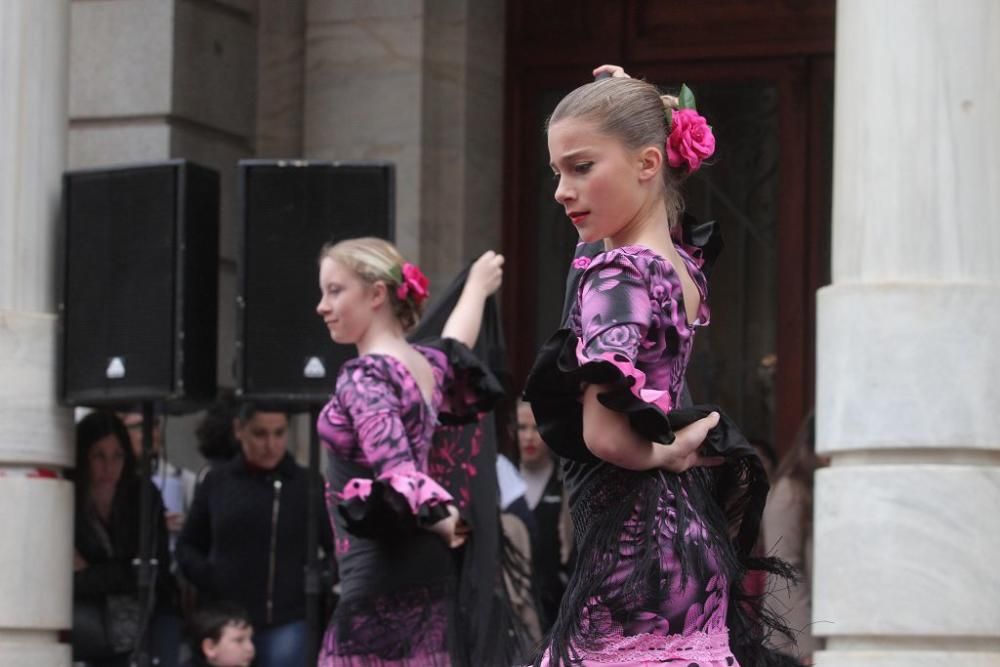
(769, 99)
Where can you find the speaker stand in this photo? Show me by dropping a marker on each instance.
(146, 563)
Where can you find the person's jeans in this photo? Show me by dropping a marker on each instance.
(165, 639)
(281, 646)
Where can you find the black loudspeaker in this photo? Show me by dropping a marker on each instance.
(139, 285)
(288, 210)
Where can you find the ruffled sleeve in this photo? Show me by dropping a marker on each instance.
(371, 399)
(615, 315)
(468, 388)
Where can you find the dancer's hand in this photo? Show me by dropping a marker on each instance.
(615, 71)
(452, 529)
(486, 273)
(682, 454)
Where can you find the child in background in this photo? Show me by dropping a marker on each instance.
(221, 636)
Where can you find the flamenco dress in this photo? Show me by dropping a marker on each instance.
(661, 556)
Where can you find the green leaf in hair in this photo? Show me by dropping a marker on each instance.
(685, 99)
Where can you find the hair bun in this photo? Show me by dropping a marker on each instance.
(670, 102)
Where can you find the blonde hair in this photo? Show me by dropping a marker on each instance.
(373, 260)
(635, 112)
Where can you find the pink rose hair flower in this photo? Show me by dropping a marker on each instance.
(413, 284)
(691, 140)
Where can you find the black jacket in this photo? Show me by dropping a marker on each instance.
(108, 574)
(229, 548)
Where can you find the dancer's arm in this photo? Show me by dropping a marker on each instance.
(484, 279)
(610, 436)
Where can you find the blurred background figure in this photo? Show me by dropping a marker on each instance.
(220, 635)
(176, 484)
(107, 617)
(553, 539)
(216, 441)
(787, 528)
(245, 537)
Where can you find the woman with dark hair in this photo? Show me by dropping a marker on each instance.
(107, 619)
(214, 433)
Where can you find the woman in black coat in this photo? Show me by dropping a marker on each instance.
(107, 619)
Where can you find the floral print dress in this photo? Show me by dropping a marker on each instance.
(397, 579)
(652, 584)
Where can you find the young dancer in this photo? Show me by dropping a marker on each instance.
(663, 524)
(396, 526)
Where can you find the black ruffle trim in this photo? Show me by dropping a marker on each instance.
(474, 390)
(385, 515)
(553, 389)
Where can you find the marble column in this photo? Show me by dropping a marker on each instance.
(418, 83)
(907, 532)
(36, 512)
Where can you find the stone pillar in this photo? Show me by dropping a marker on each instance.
(908, 400)
(418, 83)
(36, 512)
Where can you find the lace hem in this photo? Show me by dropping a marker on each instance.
(698, 648)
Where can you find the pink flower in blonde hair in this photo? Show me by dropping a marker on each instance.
(691, 140)
(413, 284)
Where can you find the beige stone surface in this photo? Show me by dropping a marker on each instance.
(320, 11)
(214, 54)
(18, 651)
(956, 658)
(33, 51)
(907, 551)
(36, 431)
(281, 52)
(419, 85)
(364, 96)
(106, 144)
(915, 158)
(121, 58)
(908, 365)
(36, 563)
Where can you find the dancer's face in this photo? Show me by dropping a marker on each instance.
(600, 180)
(533, 449)
(347, 305)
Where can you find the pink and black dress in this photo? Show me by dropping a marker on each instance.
(657, 575)
(385, 485)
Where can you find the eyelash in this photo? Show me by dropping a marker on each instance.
(581, 168)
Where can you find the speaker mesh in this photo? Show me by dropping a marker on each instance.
(119, 287)
(121, 335)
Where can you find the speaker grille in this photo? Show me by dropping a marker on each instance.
(290, 211)
(120, 289)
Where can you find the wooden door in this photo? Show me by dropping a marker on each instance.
(769, 99)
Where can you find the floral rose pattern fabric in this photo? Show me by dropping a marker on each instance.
(379, 418)
(631, 313)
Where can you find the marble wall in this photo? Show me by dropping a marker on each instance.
(906, 532)
(419, 84)
(35, 512)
